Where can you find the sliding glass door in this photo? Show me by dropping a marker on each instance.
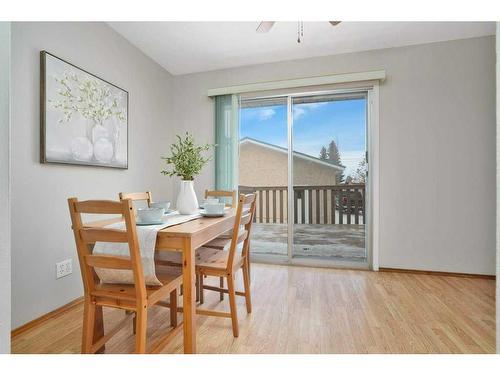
(305, 157)
(263, 168)
(329, 175)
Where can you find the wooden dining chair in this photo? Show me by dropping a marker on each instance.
(175, 259)
(137, 297)
(141, 196)
(225, 264)
(223, 194)
(226, 237)
(223, 241)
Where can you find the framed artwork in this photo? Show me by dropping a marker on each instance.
(84, 119)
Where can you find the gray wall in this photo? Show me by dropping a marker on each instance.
(437, 145)
(41, 233)
(4, 188)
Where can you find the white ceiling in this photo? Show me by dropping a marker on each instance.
(188, 47)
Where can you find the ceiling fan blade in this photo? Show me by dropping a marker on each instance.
(334, 23)
(265, 26)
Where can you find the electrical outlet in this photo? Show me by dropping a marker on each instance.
(64, 268)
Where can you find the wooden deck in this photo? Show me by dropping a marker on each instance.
(311, 240)
(333, 204)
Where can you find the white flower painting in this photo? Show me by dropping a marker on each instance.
(84, 118)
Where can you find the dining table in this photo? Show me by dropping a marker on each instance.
(184, 238)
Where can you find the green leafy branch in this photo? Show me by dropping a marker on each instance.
(88, 97)
(186, 158)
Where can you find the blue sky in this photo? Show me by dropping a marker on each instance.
(315, 124)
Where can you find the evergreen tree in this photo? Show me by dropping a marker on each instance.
(340, 178)
(333, 153)
(323, 154)
(334, 157)
(360, 173)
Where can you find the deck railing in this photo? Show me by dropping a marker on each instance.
(333, 204)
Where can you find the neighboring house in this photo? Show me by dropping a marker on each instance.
(265, 164)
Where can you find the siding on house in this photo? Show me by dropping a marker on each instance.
(261, 165)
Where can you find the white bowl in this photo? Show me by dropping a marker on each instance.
(149, 215)
(162, 204)
(210, 201)
(214, 208)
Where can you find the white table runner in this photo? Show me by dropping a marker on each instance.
(146, 235)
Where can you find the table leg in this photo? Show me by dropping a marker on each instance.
(189, 303)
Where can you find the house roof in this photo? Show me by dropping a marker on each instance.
(295, 153)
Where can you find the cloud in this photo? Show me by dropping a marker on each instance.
(301, 109)
(314, 105)
(298, 112)
(265, 114)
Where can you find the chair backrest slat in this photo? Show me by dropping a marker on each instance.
(223, 193)
(248, 225)
(109, 261)
(246, 219)
(249, 198)
(242, 236)
(244, 216)
(93, 235)
(141, 196)
(98, 207)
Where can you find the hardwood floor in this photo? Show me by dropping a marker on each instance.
(310, 310)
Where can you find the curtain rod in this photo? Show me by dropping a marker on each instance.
(299, 82)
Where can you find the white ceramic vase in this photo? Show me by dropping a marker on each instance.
(187, 203)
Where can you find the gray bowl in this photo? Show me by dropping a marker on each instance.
(161, 204)
(149, 215)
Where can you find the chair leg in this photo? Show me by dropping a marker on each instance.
(173, 308)
(248, 264)
(221, 285)
(141, 327)
(128, 312)
(202, 293)
(232, 304)
(246, 282)
(197, 288)
(88, 327)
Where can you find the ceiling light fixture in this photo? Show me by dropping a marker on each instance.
(300, 31)
(265, 26)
